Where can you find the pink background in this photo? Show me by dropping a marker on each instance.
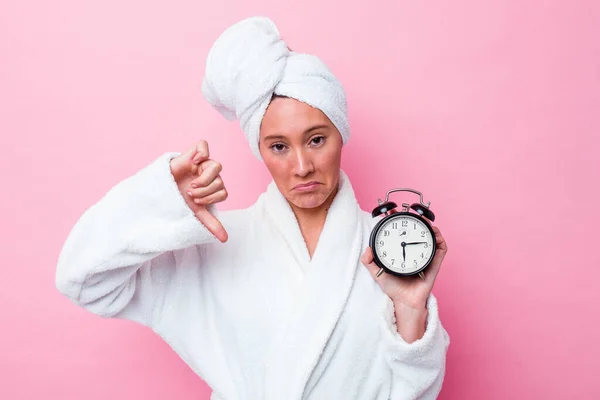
(488, 107)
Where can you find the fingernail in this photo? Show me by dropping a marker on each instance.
(194, 185)
(196, 200)
(189, 193)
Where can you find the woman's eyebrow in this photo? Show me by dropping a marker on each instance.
(314, 128)
(271, 137)
(306, 132)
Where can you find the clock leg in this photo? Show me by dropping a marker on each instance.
(422, 275)
(379, 272)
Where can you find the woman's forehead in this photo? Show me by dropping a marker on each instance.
(287, 116)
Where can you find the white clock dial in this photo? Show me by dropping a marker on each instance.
(417, 251)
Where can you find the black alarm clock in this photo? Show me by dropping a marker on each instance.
(403, 242)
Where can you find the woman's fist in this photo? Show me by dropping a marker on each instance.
(199, 182)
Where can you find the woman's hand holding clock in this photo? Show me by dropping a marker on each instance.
(409, 293)
(199, 182)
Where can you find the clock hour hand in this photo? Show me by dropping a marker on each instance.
(416, 243)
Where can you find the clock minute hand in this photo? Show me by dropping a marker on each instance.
(415, 243)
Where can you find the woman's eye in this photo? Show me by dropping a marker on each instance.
(278, 147)
(318, 140)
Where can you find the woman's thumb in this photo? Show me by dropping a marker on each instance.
(212, 224)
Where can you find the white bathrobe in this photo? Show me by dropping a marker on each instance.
(255, 317)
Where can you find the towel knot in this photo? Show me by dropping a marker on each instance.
(250, 62)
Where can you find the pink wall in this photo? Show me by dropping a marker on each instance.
(489, 107)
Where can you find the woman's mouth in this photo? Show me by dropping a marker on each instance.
(306, 187)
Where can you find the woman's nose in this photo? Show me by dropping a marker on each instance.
(304, 164)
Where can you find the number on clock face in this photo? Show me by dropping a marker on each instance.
(388, 244)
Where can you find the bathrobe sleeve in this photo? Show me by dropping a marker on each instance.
(417, 368)
(120, 258)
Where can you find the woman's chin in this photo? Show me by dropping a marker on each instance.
(309, 200)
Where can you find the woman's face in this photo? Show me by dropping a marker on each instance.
(302, 150)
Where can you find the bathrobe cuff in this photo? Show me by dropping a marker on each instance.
(163, 215)
(433, 338)
(139, 218)
(418, 368)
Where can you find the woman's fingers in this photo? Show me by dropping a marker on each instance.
(440, 242)
(189, 161)
(367, 256)
(441, 250)
(217, 197)
(367, 260)
(180, 165)
(202, 152)
(204, 191)
(209, 170)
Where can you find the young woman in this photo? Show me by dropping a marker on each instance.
(280, 300)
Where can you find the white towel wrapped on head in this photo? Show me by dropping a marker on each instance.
(250, 62)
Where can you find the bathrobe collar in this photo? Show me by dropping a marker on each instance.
(328, 279)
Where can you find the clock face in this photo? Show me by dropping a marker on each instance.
(417, 249)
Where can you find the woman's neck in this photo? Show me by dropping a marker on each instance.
(312, 220)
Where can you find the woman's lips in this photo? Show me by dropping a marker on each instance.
(306, 187)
